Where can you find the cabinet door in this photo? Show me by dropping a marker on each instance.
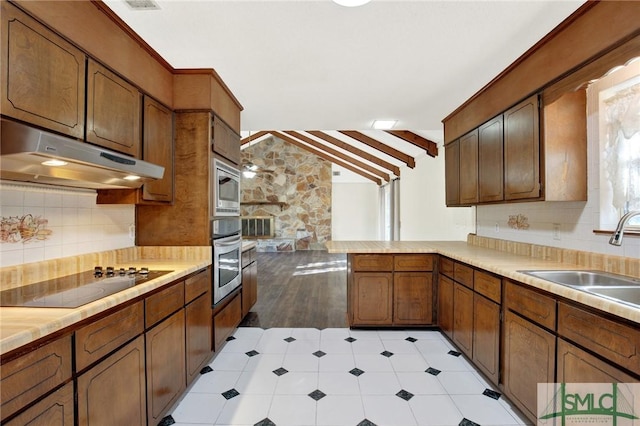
(226, 321)
(463, 318)
(528, 359)
(118, 381)
(225, 141)
(54, 410)
(469, 168)
(486, 336)
(490, 161)
(198, 334)
(165, 365)
(249, 287)
(578, 366)
(452, 173)
(522, 151)
(445, 305)
(43, 80)
(113, 111)
(413, 298)
(157, 148)
(372, 301)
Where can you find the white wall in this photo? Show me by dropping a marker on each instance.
(423, 214)
(70, 219)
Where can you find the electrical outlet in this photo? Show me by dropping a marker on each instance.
(132, 231)
(497, 228)
(556, 231)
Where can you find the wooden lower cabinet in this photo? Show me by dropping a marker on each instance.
(165, 344)
(198, 335)
(578, 366)
(486, 337)
(249, 285)
(54, 410)
(113, 392)
(412, 298)
(372, 298)
(463, 318)
(226, 320)
(445, 305)
(528, 359)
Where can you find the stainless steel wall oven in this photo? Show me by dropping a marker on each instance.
(226, 242)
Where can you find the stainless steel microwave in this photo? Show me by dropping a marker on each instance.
(226, 190)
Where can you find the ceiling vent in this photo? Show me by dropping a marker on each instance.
(143, 4)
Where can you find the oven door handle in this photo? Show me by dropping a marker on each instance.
(227, 243)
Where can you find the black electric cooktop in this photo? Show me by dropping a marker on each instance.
(75, 290)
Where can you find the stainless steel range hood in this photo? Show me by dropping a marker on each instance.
(24, 152)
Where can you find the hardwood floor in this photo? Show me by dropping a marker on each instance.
(300, 289)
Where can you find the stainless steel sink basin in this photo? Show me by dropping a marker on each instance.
(616, 287)
(585, 278)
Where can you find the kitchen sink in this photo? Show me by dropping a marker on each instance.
(616, 287)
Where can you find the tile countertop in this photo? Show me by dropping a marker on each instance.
(21, 326)
(498, 262)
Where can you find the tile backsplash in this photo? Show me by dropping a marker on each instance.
(40, 223)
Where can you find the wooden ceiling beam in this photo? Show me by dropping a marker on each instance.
(356, 151)
(253, 137)
(417, 140)
(373, 143)
(321, 154)
(336, 153)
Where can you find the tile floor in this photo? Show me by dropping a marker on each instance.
(306, 376)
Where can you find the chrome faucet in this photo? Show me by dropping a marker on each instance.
(616, 238)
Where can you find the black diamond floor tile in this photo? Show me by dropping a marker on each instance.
(206, 370)
(350, 339)
(166, 421)
(317, 395)
(319, 354)
(411, 339)
(357, 372)
(492, 394)
(290, 339)
(231, 393)
(433, 371)
(454, 353)
(280, 371)
(467, 422)
(387, 354)
(406, 395)
(265, 422)
(252, 353)
(366, 422)
(230, 338)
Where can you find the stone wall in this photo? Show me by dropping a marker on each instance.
(297, 178)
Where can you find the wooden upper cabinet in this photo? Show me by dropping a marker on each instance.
(114, 112)
(157, 148)
(490, 161)
(43, 76)
(522, 150)
(452, 172)
(469, 168)
(225, 141)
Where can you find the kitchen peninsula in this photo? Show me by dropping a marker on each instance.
(517, 329)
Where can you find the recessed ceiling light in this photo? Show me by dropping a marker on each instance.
(351, 3)
(384, 124)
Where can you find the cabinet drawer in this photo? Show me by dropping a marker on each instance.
(446, 267)
(196, 285)
(28, 377)
(530, 304)
(105, 335)
(413, 262)
(617, 342)
(463, 274)
(488, 285)
(161, 305)
(372, 262)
